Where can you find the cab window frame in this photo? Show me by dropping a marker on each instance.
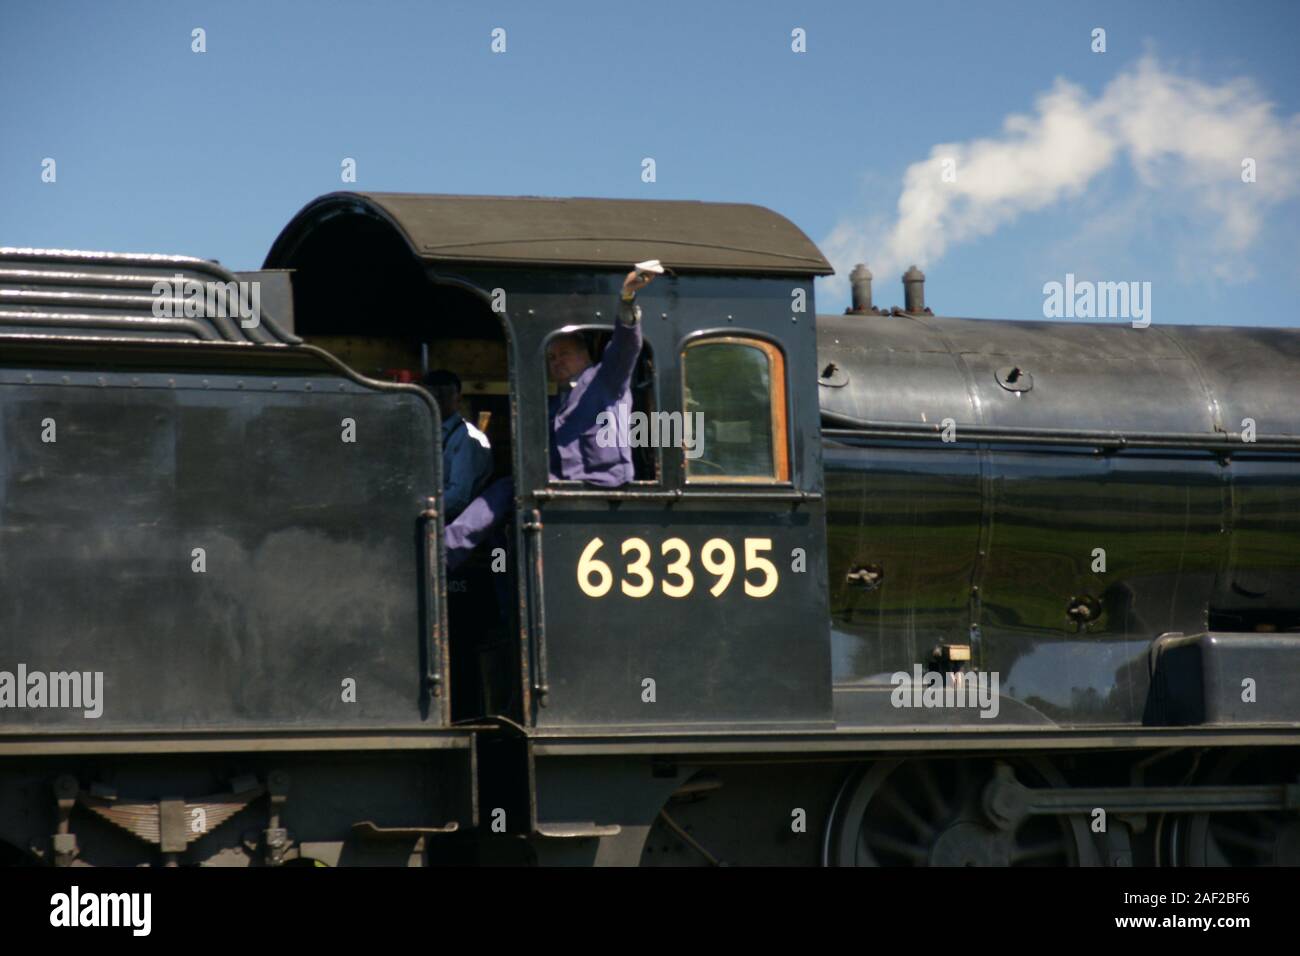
(779, 399)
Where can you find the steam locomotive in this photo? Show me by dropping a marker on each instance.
(933, 591)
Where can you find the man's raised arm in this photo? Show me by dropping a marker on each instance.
(619, 360)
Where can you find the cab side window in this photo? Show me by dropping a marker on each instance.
(736, 410)
(645, 455)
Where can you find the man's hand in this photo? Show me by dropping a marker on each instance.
(636, 281)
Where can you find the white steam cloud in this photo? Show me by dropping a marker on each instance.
(1181, 137)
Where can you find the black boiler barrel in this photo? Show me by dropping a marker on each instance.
(1056, 495)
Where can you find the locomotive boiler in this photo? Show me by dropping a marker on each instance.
(932, 591)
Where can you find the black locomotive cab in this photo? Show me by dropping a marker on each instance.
(696, 592)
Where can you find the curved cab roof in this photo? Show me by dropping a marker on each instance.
(687, 236)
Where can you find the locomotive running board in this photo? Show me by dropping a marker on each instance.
(865, 740)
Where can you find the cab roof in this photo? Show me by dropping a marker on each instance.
(535, 231)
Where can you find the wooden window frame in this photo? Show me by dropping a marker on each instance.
(780, 419)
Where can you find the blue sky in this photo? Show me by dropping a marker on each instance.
(161, 149)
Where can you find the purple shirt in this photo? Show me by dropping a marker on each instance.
(576, 454)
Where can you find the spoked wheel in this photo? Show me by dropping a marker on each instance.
(1237, 839)
(930, 813)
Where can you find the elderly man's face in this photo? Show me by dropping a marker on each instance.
(566, 358)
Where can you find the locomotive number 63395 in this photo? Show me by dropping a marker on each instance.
(717, 557)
